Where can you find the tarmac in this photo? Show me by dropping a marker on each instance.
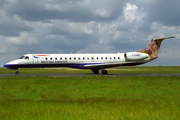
(90, 74)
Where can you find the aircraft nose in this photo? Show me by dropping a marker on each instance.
(11, 65)
(7, 64)
(4, 65)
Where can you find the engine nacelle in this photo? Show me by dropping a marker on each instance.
(134, 56)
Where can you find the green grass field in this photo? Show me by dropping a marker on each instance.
(136, 69)
(91, 97)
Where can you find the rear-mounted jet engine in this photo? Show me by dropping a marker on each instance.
(135, 56)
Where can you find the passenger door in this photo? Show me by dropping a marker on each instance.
(35, 59)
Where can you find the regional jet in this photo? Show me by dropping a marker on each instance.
(95, 62)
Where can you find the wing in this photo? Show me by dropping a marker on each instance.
(104, 65)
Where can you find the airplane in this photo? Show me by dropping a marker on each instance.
(95, 62)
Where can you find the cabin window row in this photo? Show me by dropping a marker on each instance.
(98, 58)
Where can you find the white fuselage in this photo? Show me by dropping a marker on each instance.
(81, 61)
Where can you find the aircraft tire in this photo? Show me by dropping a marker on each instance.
(17, 72)
(105, 72)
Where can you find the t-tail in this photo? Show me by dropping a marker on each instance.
(153, 47)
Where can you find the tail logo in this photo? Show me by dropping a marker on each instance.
(154, 47)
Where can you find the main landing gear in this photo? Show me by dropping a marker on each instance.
(103, 71)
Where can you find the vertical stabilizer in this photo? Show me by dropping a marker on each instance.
(153, 47)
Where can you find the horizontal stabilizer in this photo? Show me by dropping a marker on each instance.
(162, 38)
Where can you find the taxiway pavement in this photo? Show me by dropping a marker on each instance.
(89, 74)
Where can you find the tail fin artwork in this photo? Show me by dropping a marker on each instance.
(153, 47)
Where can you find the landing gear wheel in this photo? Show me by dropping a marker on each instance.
(17, 72)
(104, 72)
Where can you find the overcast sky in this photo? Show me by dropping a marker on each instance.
(88, 26)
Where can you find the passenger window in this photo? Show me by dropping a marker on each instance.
(114, 57)
(69, 58)
(74, 58)
(83, 58)
(55, 58)
(60, 58)
(50, 58)
(79, 58)
(65, 58)
(106, 57)
(101, 57)
(118, 57)
(46, 58)
(110, 58)
(88, 58)
(97, 58)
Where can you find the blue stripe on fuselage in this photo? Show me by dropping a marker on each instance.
(77, 65)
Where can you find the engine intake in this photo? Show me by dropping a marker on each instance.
(134, 56)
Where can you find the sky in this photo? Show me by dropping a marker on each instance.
(88, 26)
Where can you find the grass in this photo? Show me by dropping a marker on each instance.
(134, 69)
(90, 97)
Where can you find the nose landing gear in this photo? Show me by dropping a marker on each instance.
(17, 72)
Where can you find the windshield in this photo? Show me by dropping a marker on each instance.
(21, 57)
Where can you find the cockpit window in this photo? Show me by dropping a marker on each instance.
(26, 57)
(21, 57)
